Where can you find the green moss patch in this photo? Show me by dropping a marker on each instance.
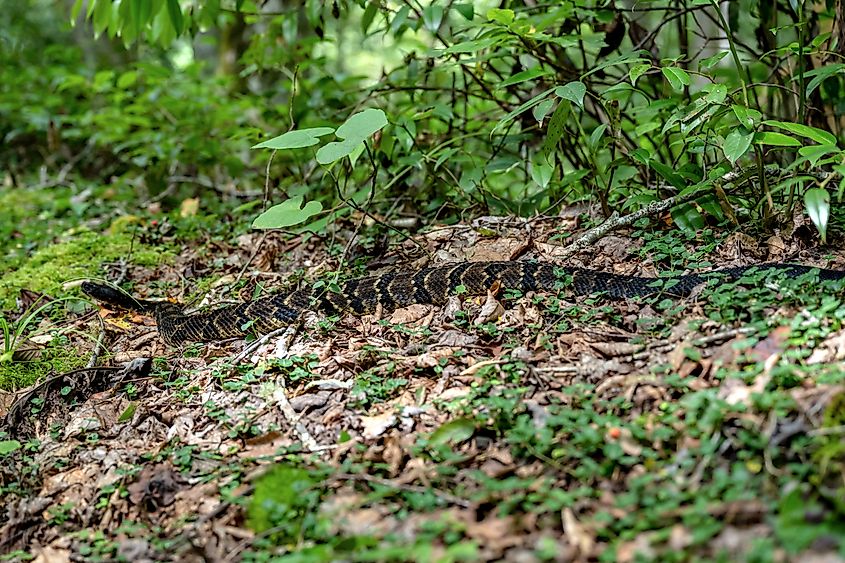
(79, 256)
(56, 359)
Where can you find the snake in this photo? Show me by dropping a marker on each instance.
(430, 285)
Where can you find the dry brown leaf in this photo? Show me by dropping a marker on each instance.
(375, 426)
(49, 554)
(490, 311)
(578, 536)
(189, 207)
(412, 315)
(494, 533)
(156, 486)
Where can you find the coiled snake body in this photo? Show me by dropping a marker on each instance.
(400, 289)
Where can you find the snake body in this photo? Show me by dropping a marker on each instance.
(426, 286)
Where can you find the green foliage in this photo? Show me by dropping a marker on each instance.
(12, 332)
(445, 111)
(9, 446)
(284, 504)
(509, 110)
(286, 214)
(160, 22)
(79, 257)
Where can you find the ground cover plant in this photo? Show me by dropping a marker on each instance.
(218, 151)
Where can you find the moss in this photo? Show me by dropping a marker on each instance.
(31, 217)
(57, 359)
(78, 257)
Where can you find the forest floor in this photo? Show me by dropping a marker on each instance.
(525, 427)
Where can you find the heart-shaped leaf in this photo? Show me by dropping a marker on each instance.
(353, 132)
(574, 92)
(541, 171)
(362, 124)
(287, 213)
(736, 143)
(296, 139)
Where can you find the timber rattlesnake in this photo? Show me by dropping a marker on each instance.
(400, 289)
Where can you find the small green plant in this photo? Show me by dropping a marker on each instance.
(284, 505)
(59, 514)
(14, 332)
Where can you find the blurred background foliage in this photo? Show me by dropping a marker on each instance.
(492, 108)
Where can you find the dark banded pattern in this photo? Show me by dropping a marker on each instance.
(400, 289)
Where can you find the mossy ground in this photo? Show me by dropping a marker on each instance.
(55, 359)
(79, 256)
(42, 248)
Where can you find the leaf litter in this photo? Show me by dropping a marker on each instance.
(520, 427)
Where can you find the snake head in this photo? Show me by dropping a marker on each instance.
(114, 297)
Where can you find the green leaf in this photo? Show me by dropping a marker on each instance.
(285, 214)
(817, 202)
(668, 174)
(529, 74)
(677, 77)
(281, 501)
(555, 130)
(353, 132)
(541, 171)
(574, 92)
(710, 204)
(635, 57)
(814, 153)
(127, 79)
(737, 143)
(102, 16)
(499, 15)
(295, 139)
(596, 136)
(433, 17)
(128, 413)
(821, 74)
(454, 432)
(397, 26)
(818, 135)
(175, 13)
(688, 218)
(715, 94)
(746, 116)
(710, 62)
(362, 124)
(641, 156)
(541, 110)
(74, 11)
(522, 108)
(637, 71)
(794, 527)
(466, 10)
(775, 139)
(369, 14)
(141, 12)
(9, 446)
